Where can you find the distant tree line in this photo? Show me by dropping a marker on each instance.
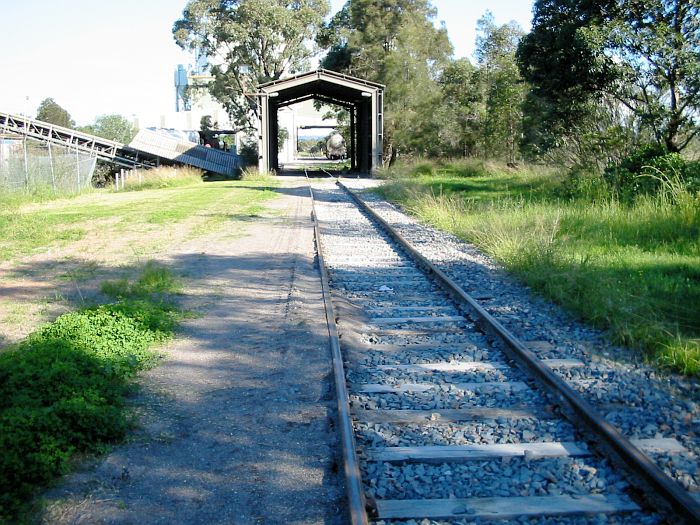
(589, 84)
(112, 127)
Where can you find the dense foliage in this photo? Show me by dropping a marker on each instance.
(643, 55)
(590, 84)
(62, 389)
(651, 170)
(50, 111)
(112, 127)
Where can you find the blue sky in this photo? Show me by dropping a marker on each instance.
(102, 57)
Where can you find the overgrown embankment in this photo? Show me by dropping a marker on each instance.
(626, 263)
(62, 389)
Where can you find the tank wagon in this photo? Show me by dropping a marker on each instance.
(335, 147)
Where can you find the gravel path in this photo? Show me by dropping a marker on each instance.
(236, 424)
(445, 428)
(639, 400)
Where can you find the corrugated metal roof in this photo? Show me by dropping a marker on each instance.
(208, 159)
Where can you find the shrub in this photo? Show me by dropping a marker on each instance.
(61, 389)
(585, 184)
(155, 279)
(249, 151)
(639, 173)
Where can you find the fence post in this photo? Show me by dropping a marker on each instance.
(77, 167)
(53, 174)
(26, 166)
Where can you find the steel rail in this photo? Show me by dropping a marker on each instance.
(351, 466)
(677, 499)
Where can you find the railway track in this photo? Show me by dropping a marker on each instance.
(443, 417)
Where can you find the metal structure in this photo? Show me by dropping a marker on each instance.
(104, 149)
(148, 149)
(353, 478)
(363, 99)
(172, 149)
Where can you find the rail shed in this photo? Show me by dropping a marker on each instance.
(363, 99)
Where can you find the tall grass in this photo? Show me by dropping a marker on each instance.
(630, 268)
(162, 177)
(252, 174)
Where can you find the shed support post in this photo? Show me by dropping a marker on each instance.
(353, 140)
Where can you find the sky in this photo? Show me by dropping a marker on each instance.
(104, 57)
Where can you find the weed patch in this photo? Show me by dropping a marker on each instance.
(162, 177)
(252, 174)
(62, 388)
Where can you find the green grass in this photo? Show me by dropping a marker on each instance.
(62, 389)
(632, 269)
(28, 227)
(11, 200)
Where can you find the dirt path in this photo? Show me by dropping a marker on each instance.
(236, 423)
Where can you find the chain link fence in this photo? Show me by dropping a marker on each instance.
(29, 166)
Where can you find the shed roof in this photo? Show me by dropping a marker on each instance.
(321, 84)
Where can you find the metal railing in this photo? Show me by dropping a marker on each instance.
(102, 148)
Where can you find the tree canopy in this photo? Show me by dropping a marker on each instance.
(645, 55)
(112, 127)
(504, 90)
(248, 42)
(590, 83)
(49, 111)
(394, 43)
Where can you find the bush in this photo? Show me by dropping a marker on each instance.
(61, 390)
(584, 184)
(249, 151)
(645, 171)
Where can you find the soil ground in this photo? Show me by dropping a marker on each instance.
(236, 424)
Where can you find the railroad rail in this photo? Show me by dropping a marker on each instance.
(430, 401)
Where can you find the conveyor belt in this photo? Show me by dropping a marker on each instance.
(147, 150)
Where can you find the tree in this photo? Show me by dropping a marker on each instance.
(504, 89)
(460, 109)
(49, 111)
(249, 42)
(644, 54)
(206, 124)
(395, 43)
(282, 136)
(112, 127)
